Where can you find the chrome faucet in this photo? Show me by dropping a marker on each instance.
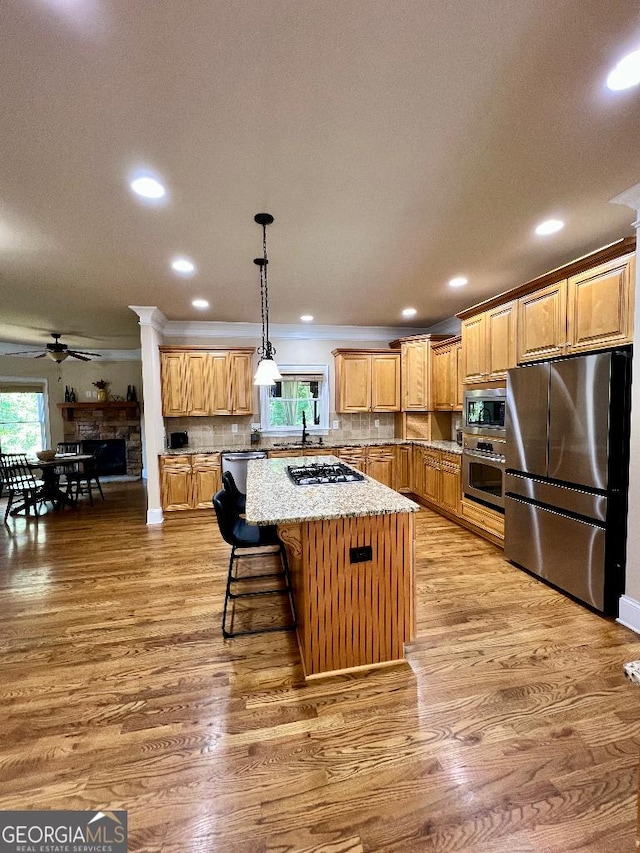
(304, 427)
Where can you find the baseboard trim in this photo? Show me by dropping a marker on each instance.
(629, 613)
(154, 516)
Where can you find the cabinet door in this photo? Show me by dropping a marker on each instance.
(381, 465)
(442, 367)
(175, 483)
(459, 388)
(403, 468)
(385, 383)
(600, 306)
(241, 383)
(206, 481)
(353, 379)
(415, 379)
(450, 488)
(416, 471)
(542, 323)
(197, 382)
(500, 339)
(430, 477)
(219, 384)
(474, 349)
(173, 380)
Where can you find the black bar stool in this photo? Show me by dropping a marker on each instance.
(242, 536)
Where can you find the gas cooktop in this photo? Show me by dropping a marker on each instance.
(316, 474)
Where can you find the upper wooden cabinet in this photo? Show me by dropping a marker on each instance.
(543, 322)
(206, 382)
(588, 311)
(489, 344)
(445, 372)
(584, 306)
(416, 358)
(367, 380)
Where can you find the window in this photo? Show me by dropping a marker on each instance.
(304, 388)
(23, 427)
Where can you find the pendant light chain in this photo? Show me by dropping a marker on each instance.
(267, 372)
(265, 318)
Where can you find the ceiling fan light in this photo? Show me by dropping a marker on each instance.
(58, 356)
(267, 372)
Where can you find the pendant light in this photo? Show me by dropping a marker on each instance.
(267, 372)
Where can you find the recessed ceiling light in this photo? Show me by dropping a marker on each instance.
(200, 303)
(307, 318)
(183, 266)
(458, 281)
(409, 312)
(550, 226)
(146, 186)
(626, 73)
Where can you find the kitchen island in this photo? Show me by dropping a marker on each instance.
(350, 549)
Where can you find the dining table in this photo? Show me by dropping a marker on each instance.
(51, 470)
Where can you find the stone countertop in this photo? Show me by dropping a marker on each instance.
(632, 671)
(273, 499)
(446, 446)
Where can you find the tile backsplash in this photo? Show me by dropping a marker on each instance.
(205, 433)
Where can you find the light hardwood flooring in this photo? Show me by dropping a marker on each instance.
(511, 728)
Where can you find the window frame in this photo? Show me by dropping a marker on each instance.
(315, 370)
(34, 386)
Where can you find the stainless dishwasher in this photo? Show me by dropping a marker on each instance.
(236, 463)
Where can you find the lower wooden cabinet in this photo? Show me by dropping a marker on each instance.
(404, 455)
(378, 462)
(450, 483)
(437, 479)
(189, 481)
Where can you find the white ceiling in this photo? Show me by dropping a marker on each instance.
(396, 143)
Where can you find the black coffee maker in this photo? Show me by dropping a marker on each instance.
(178, 440)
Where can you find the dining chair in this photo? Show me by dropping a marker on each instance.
(87, 473)
(244, 537)
(19, 482)
(64, 470)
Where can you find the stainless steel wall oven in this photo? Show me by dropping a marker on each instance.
(483, 467)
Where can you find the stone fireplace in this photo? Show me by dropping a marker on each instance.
(88, 422)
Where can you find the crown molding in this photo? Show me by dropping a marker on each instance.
(298, 331)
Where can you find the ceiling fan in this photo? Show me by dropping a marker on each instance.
(58, 351)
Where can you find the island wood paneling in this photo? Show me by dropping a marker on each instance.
(352, 614)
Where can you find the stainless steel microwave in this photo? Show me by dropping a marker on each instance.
(484, 411)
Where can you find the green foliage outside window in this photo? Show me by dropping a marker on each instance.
(289, 399)
(21, 422)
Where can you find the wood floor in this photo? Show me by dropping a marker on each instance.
(510, 729)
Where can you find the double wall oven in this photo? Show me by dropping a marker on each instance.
(483, 446)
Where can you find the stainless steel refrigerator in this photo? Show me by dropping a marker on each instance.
(566, 483)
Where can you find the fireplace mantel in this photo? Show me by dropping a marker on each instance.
(69, 409)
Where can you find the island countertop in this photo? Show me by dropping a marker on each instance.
(273, 499)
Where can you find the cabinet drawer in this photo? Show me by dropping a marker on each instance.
(207, 460)
(175, 461)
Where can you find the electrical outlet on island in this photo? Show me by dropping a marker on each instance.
(234, 427)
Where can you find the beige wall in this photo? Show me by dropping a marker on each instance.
(78, 374)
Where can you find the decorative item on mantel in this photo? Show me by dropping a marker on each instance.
(101, 385)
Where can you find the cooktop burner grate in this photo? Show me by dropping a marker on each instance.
(317, 474)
